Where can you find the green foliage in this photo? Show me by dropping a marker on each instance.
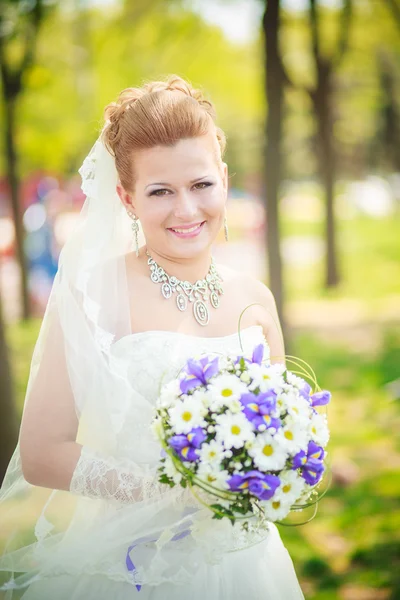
(85, 57)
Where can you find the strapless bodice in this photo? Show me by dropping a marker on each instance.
(155, 357)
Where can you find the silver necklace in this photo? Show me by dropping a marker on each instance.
(197, 293)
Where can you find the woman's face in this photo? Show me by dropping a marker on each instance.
(179, 187)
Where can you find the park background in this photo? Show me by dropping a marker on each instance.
(308, 93)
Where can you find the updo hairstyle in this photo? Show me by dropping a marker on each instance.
(160, 113)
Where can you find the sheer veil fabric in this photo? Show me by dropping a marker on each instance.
(118, 522)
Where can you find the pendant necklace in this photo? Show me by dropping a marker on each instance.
(197, 294)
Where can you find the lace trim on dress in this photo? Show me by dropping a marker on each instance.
(111, 479)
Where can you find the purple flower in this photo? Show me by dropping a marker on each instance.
(258, 408)
(270, 422)
(314, 451)
(310, 463)
(258, 354)
(299, 460)
(305, 391)
(198, 372)
(177, 442)
(312, 472)
(185, 445)
(320, 398)
(259, 484)
(267, 401)
(196, 437)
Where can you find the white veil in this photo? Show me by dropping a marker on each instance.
(118, 510)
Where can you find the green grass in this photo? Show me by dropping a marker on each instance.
(355, 537)
(368, 260)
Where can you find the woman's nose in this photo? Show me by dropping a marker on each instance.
(185, 206)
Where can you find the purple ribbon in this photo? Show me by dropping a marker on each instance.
(128, 561)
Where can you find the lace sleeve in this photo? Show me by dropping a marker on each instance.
(96, 476)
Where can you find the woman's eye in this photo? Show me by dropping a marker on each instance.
(203, 184)
(159, 192)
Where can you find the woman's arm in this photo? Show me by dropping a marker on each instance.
(268, 318)
(272, 327)
(49, 452)
(50, 455)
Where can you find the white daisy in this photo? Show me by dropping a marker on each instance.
(290, 488)
(233, 429)
(296, 381)
(266, 377)
(276, 509)
(186, 414)
(293, 436)
(281, 404)
(211, 453)
(202, 396)
(224, 389)
(297, 407)
(318, 429)
(215, 477)
(268, 453)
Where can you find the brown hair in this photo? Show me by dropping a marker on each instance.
(160, 113)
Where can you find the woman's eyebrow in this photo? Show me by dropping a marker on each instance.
(165, 183)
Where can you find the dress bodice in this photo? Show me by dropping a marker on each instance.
(156, 357)
(149, 359)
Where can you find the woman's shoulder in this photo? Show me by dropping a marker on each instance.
(247, 282)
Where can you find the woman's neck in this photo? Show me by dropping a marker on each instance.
(185, 269)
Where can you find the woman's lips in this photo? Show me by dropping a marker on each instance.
(189, 233)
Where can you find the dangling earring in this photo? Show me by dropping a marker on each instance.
(135, 229)
(226, 228)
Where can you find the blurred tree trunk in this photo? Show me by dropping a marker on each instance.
(321, 96)
(386, 142)
(16, 23)
(395, 8)
(274, 90)
(8, 417)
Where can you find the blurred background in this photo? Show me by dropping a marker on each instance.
(308, 93)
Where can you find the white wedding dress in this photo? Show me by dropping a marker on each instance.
(219, 563)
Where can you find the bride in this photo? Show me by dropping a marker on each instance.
(82, 513)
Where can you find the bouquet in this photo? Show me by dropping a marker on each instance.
(244, 431)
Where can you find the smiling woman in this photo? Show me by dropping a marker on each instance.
(117, 327)
(188, 202)
(177, 162)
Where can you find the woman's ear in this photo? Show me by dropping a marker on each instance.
(125, 197)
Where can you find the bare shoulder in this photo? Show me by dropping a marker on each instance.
(253, 286)
(253, 291)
